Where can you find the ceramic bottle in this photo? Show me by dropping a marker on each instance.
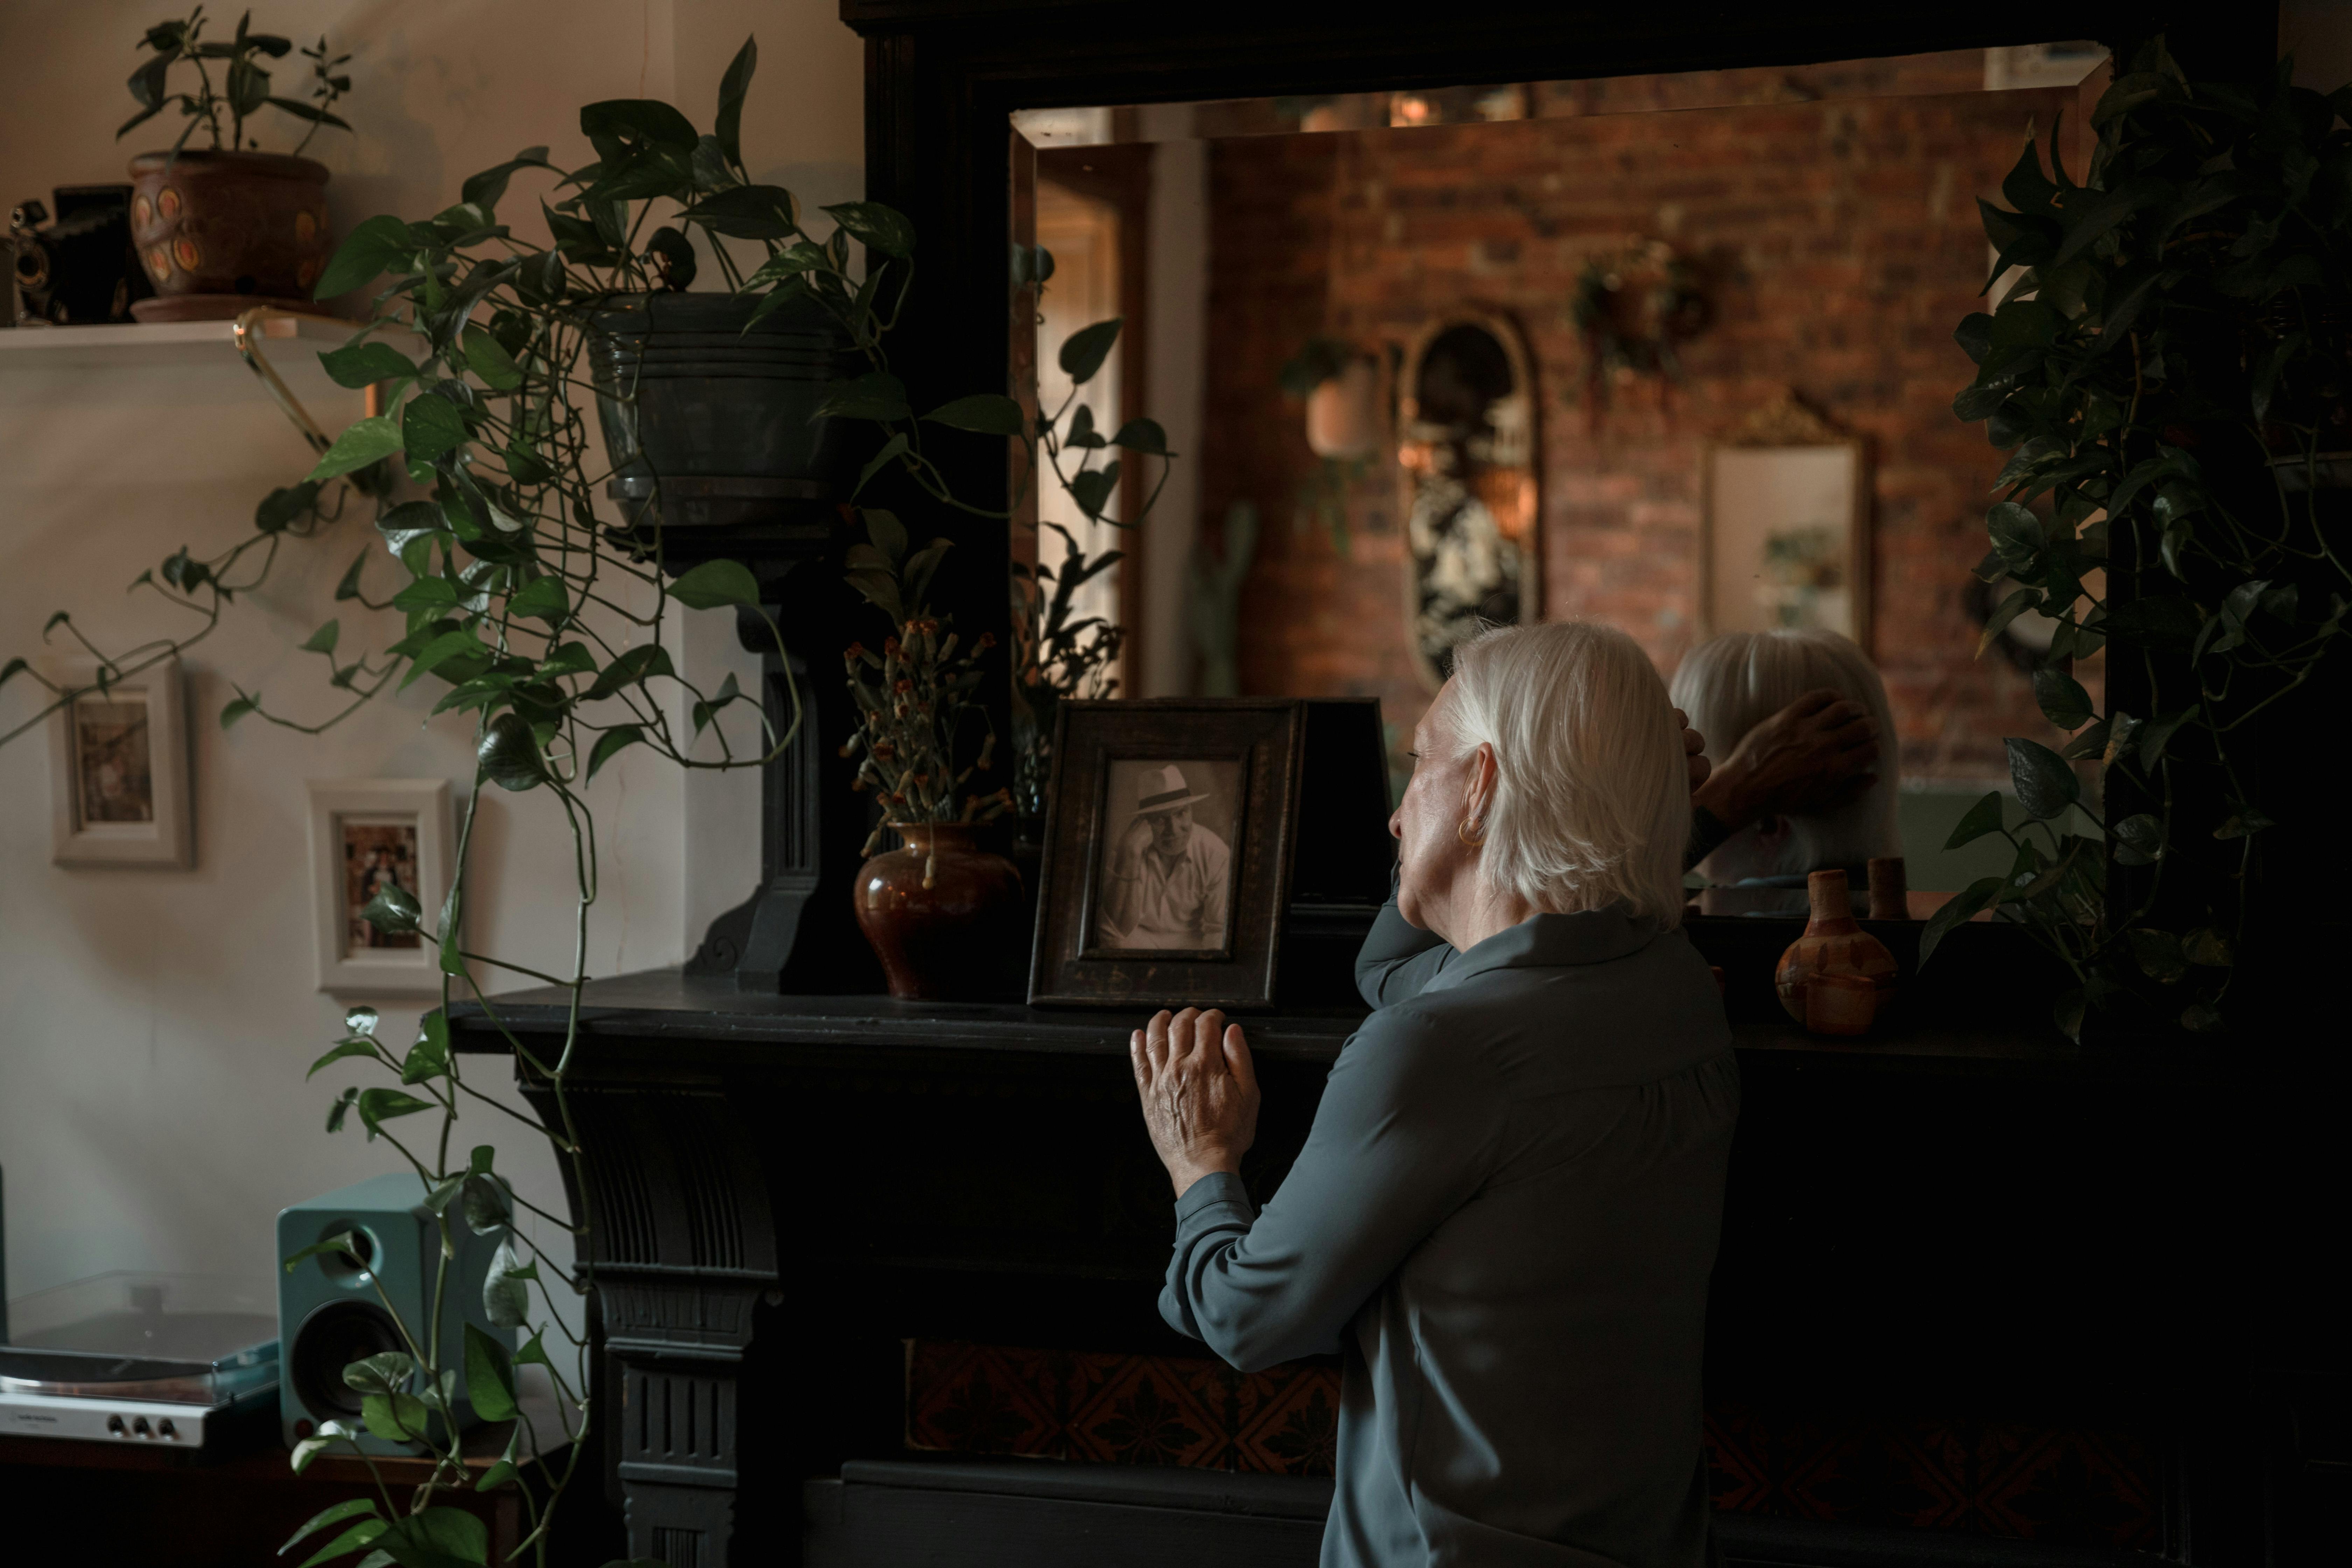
(1837, 977)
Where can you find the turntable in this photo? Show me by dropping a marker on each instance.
(162, 1361)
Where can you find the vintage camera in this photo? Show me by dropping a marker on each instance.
(81, 269)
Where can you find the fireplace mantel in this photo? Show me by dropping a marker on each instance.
(1955, 1218)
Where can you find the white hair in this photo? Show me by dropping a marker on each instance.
(1730, 684)
(1592, 801)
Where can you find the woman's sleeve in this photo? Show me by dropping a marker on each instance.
(1405, 1135)
(1398, 959)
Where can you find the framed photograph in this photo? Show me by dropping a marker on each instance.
(364, 833)
(1787, 540)
(118, 769)
(1168, 852)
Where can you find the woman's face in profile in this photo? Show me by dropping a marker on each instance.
(1426, 823)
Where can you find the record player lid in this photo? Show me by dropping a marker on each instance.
(199, 1338)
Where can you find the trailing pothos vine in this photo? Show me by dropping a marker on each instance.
(552, 630)
(2170, 372)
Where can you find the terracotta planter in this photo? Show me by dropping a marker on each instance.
(955, 939)
(219, 233)
(1836, 978)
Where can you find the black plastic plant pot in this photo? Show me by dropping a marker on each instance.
(716, 425)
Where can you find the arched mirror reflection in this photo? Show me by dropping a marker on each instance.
(1466, 455)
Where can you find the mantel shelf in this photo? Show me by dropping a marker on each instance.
(136, 345)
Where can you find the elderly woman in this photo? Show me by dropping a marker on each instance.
(1736, 686)
(1506, 1213)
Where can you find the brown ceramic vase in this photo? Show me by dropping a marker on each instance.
(954, 939)
(220, 233)
(1836, 978)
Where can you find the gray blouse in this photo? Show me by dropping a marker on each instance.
(1504, 1219)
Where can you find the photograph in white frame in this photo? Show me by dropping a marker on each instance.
(365, 832)
(119, 768)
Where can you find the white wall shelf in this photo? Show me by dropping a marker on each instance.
(136, 343)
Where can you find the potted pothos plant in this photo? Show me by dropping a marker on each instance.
(549, 629)
(226, 226)
(2170, 376)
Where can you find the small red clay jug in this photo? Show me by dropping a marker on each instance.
(1836, 977)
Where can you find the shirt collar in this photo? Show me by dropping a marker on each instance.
(1550, 942)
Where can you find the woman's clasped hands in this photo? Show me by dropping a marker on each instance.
(1199, 1089)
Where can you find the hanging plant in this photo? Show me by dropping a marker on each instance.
(1635, 307)
(2168, 376)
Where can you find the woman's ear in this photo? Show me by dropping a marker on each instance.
(1478, 789)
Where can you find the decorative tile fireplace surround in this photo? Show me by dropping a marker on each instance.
(2060, 1487)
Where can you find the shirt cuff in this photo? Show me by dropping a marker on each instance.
(1216, 1188)
(1707, 833)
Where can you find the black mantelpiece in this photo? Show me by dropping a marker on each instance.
(1950, 1219)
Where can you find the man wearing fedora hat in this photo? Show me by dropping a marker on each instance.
(1165, 885)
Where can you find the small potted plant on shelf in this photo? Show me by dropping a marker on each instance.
(935, 910)
(226, 228)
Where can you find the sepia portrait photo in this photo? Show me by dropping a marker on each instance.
(113, 777)
(378, 851)
(118, 765)
(1168, 852)
(1166, 877)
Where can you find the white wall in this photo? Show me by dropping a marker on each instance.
(154, 1027)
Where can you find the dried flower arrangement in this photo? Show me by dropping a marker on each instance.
(915, 694)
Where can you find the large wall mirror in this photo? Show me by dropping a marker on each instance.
(1673, 352)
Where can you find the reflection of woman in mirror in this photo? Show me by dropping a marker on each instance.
(1752, 691)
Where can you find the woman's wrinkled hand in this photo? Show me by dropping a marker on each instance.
(1199, 1089)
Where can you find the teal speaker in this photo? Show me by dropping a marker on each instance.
(332, 1311)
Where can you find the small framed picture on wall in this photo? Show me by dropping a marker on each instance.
(366, 835)
(1168, 851)
(119, 768)
(1787, 528)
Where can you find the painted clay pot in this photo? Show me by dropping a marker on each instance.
(219, 233)
(1834, 979)
(954, 939)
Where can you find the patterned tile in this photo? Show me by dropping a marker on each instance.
(979, 1399)
(1297, 1431)
(1145, 1415)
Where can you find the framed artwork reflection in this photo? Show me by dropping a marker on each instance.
(1168, 849)
(367, 834)
(118, 769)
(1787, 541)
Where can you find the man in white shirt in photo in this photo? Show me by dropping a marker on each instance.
(1165, 885)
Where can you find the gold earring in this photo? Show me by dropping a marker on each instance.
(1472, 835)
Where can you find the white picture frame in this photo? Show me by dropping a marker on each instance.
(363, 830)
(1786, 540)
(118, 769)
